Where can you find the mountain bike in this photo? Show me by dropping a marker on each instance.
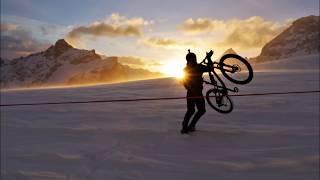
(234, 68)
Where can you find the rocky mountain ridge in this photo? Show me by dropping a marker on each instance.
(61, 64)
(301, 38)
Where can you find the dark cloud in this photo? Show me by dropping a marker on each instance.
(114, 26)
(16, 41)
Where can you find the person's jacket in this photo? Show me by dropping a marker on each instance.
(193, 78)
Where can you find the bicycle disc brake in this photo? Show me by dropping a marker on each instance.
(236, 68)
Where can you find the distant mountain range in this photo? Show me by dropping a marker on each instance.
(61, 64)
(301, 38)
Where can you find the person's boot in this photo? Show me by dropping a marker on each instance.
(191, 129)
(184, 131)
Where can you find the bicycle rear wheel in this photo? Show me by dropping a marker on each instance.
(236, 69)
(219, 101)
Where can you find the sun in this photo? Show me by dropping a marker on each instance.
(174, 69)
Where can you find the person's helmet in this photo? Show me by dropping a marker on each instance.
(191, 56)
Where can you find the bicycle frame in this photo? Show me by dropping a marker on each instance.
(218, 65)
(214, 83)
(217, 97)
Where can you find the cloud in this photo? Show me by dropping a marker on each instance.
(114, 26)
(48, 29)
(137, 62)
(17, 41)
(198, 26)
(131, 60)
(117, 19)
(165, 43)
(253, 32)
(8, 27)
(104, 29)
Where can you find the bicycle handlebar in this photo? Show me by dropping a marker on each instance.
(209, 54)
(208, 57)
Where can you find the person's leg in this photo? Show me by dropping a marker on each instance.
(188, 115)
(201, 106)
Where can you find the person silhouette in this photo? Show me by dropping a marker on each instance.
(193, 83)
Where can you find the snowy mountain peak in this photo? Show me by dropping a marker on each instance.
(60, 47)
(230, 51)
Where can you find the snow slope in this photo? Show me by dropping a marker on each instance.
(265, 137)
(300, 63)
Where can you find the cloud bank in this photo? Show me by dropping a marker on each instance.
(253, 32)
(17, 41)
(114, 26)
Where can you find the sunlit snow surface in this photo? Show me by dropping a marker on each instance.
(265, 137)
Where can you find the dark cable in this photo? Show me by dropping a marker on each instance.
(151, 99)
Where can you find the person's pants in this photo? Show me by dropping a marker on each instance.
(191, 103)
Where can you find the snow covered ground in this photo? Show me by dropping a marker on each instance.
(300, 63)
(265, 137)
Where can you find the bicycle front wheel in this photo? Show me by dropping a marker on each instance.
(236, 69)
(219, 102)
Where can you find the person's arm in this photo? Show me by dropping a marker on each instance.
(208, 67)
